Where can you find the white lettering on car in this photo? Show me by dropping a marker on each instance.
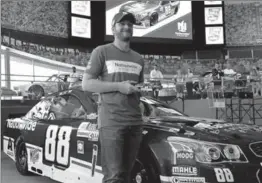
(20, 124)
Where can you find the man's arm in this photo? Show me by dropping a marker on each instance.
(92, 84)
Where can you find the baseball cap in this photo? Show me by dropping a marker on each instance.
(121, 16)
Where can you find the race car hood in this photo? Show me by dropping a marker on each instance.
(208, 130)
(138, 7)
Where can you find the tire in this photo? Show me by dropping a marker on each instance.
(176, 9)
(144, 171)
(37, 90)
(153, 19)
(21, 157)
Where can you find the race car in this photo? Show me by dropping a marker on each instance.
(149, 13)
(59, 138)
(54, 83)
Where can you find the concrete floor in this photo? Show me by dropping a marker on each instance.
(9, 174)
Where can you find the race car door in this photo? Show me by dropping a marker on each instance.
(77, 143)
(87, 138)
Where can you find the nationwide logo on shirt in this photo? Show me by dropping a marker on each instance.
(117, 66)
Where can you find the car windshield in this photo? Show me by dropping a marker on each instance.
(153, 108)
(161, 111)
(52, 78)
(153, 2)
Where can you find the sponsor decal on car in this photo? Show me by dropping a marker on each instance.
(189, 180)
(80, 147)
(34, 155)
(185, 158)
(91, 116)
(10, 148)
(224, 175)
(184, 170)
(20, 124)
(88, 130)
(65, 92)
(185, 155)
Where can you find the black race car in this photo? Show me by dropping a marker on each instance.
(149, 13)
(58, 138)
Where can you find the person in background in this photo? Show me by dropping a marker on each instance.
(156, 74)
(189, 83)
(155, 77)
(228, 71)
(253, 78)
(74, 77)
(113, 71)
(259, 85)
(180, 84)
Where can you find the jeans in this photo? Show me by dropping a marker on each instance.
(119, 148)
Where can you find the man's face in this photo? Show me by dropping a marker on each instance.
(123, 30)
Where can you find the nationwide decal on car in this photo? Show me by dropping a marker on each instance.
(80, 147)
(88, 130)
(21, 124)
(34, 155)
(189, 179)
(184, 170)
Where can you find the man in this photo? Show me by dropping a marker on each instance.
(156, 74)
(74, 77)
(113, 71)
(229, 71)
(155, 77)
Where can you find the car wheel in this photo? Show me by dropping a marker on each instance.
(153, 19)
(37, 91)
(176, 10)
(21, 158)
(143, 172)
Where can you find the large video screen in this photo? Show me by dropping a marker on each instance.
(155, 19)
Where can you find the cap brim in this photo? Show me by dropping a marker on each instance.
(128, 17)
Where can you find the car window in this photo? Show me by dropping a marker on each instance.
(66, 106)
(40, 110)
(52, 78)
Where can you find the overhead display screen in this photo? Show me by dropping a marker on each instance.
(213, 15)
(81, 27)
(214, 35)
(213, 2)
(80, 8)
(155, 19)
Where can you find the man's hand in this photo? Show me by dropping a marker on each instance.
(127, 87)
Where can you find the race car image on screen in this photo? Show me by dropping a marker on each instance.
(149, 13)
(59, 138)
(154, 19)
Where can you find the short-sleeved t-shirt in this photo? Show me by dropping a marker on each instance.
(108, 63)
